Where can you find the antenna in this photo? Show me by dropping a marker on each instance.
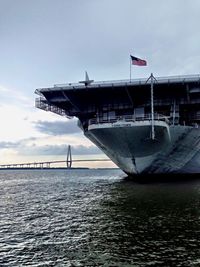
(87, 80)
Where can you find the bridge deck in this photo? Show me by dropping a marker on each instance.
(46, 164)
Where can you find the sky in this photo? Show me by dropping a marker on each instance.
(46, 42)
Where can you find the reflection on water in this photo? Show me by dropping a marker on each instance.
(96, 218)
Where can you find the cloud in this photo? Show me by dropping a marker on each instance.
(55, 150)
(4, 89)
(29, 147)
(9, 145)
(57, 127)
(14, 96)
(83, 150)
(13, 125)
(62, 150)
(17, 144)
(66, 49)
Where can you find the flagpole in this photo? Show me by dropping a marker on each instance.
(130, 68)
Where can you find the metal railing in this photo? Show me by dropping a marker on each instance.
(168, 79)
(128, 118)
(42, 103)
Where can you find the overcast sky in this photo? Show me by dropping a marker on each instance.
(44, 42)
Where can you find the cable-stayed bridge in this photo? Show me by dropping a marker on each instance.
(48, 164)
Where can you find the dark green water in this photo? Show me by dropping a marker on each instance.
(96, 218)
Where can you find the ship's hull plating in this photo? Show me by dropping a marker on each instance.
(175, 149)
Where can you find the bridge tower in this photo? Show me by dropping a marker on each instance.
(69, 157)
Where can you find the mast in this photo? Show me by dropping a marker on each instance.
(152, 109)
(152, 79)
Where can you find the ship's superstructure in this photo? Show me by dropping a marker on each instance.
(139, 127)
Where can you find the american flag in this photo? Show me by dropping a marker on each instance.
(137, 61)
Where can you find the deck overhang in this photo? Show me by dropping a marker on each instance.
(75, 99)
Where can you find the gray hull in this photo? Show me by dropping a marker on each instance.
(176, 149)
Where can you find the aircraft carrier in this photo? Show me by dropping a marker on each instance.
(143, 125)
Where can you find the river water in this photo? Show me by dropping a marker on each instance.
(96, 218)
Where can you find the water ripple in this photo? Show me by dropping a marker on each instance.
(96, 218)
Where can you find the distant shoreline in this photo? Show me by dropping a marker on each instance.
(44, 168)
(57, 168)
